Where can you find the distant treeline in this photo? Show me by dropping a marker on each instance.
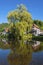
(3, 26)
(38, 23)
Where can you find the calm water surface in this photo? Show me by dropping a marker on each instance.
(9, 57)
(3, 56)
(37, 58)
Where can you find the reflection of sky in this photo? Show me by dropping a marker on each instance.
(37, 58)
(3, 57)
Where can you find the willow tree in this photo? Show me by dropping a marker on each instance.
(20, 20)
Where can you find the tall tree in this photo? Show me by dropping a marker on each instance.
(20, 20)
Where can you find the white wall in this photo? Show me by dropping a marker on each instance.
(37, 31)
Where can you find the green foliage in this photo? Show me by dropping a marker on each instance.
(20, 23)
(3, 26)
(18, 15)
(39, 23)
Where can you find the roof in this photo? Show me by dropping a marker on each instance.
(34, 25)
(6, 29)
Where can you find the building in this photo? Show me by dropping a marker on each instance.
(41, 32)
(35, 30)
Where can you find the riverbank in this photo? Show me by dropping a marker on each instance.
(38, 38)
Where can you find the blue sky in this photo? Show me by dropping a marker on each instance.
(35, 7)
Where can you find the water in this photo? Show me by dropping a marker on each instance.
(37, 58)
(3, 56)
(17, 56)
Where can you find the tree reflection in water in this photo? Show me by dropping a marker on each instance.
(20, 55)
(15, 59)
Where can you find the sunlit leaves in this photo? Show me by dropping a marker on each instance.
(20, 21)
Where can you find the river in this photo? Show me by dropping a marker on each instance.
(9, 56)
